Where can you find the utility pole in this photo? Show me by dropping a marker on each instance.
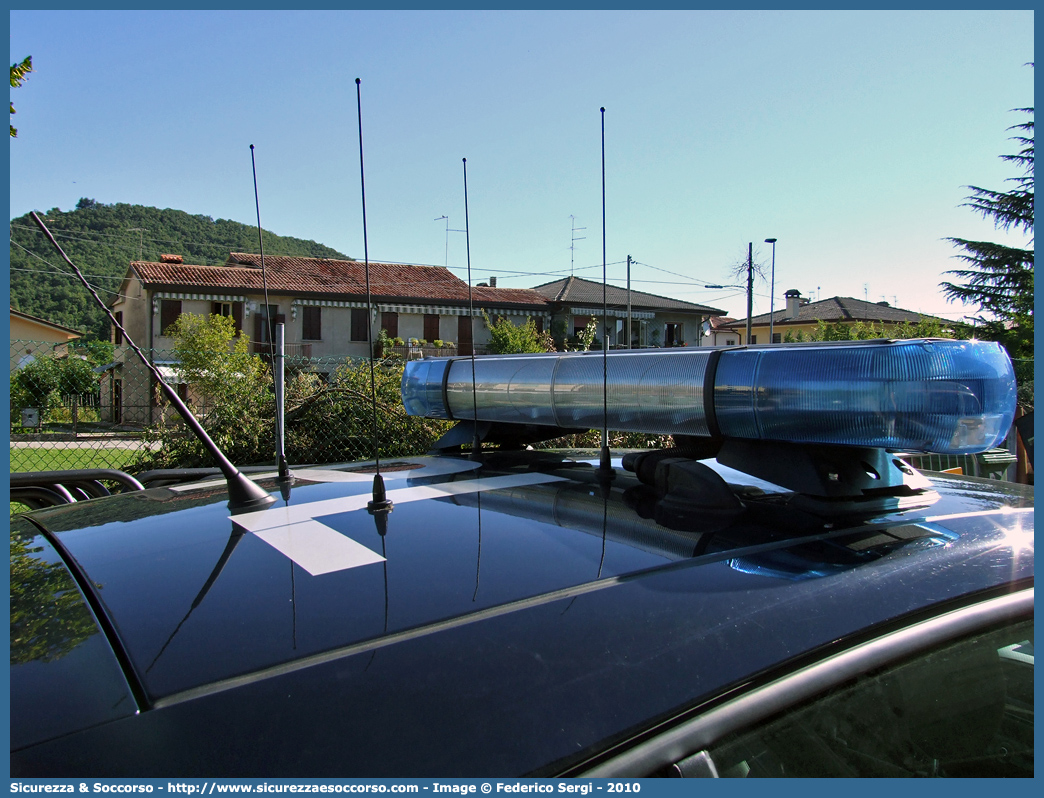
(141, 239)
(628, 301)
(750, 286)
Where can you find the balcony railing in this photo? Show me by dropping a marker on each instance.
(264, 350)
(418, 352)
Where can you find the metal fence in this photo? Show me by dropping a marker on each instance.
(123, 420)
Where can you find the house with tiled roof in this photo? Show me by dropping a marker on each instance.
(801, 315)
(32, 337)
(320, 301)
(655, 320)
(717, 332)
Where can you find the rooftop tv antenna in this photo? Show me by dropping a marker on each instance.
(141, 231)
(448, 231)
(574, 238)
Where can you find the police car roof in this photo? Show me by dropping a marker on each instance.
(511, 617)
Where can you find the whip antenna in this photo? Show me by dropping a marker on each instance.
(275, 352)
(380, 502)
(605, 466)
(476, 446)
(243, 494)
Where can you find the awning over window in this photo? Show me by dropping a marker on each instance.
(207, 297)
(170, 374)
(449, 310)
(620, 313)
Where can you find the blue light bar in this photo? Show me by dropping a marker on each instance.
(930, 395)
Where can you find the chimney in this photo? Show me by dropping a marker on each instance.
(492, 282)
(171, 259)
(793, 302)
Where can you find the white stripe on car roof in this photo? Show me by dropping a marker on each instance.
(320, 549)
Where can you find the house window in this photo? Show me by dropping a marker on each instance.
(539, 321)
(431, 326)
(753, 339)
(777, 338)
(730, 342)
(170, 309)
(265, 332)
(117, 333)
(311, 324)
(359, 324)
(580, 324)
(465, 338)
(233, 309)
(672, 335)
(390, 323)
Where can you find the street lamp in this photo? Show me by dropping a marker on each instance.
(772, 287)
(747, 288)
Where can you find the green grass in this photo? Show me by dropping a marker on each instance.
(41, 459)
(37, 458)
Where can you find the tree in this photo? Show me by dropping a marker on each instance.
(999, 278)
(328, 419)
(925, 327)
(102, 239)
(230, 389)
(506, 338)
(19, 73)
(47, 380)
(43, 636)
(331, 420)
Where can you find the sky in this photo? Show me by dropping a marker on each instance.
(850, 137)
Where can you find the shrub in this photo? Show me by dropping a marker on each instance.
(45, 381)
(506, 338)
(233, 385)
(327, 421)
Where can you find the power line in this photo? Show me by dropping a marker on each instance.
(66, 274)
(55, 270)
(68, 235)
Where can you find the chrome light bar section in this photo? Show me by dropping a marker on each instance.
(933, 395)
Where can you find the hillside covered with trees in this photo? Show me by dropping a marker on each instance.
(103, 239)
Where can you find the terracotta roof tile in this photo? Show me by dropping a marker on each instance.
(839, 308)
(293, 275)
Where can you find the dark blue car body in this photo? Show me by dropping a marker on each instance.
(518, 616)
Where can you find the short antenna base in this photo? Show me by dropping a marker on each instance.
(245, 495)
(380, 502)
(285, 480)
(605, 468)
